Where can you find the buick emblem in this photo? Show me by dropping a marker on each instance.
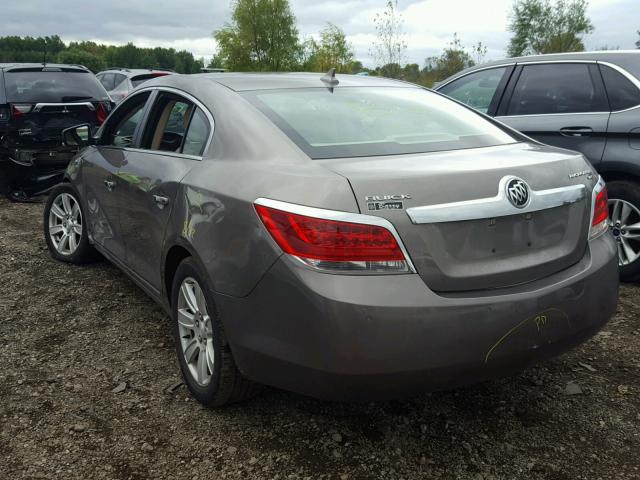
(517, 192)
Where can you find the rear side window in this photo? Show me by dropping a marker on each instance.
(367, 121)
(556, 88)
(168, 123)
(622, 93)
(476, 89)
(118, 79)
(53, 86)
(106, 79)
(197, 134)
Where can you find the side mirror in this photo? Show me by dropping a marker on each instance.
(78, 136)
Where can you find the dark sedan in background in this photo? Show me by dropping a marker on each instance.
(37, 102)
(589, 102)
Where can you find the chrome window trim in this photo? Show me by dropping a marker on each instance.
(527, 115)
(189, 97)
(339, 216)
(503, 65)
(536, 62)
(498, 206)
(629, 76)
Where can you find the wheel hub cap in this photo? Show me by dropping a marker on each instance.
(65, 224)
(625, 227)
(196, 332)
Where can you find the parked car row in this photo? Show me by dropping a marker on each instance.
(588, 102)
(38, 101)
(345, 237)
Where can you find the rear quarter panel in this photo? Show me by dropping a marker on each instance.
(249, 158)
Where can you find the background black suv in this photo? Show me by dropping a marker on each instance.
(36, 103)
(589, 102)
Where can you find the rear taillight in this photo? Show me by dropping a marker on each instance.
(19, 109)
(101, 113)
(334, 241)
(599, 210)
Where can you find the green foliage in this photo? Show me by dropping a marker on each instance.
(262, 36)
(540, 26)
(30, 49)
(95, 56)
(453, 59)
(390, 46)
(332, 51)
(92, 61)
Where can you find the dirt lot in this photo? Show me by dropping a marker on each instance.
(70, 336)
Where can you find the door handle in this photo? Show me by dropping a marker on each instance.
(110, 185)
(161, 201)
(576, 131)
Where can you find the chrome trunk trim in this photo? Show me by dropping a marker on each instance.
(40, 106)
(498, 206)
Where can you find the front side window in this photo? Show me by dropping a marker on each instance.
(367, 121)
(476, 89)
(121, 127)
(556, 88)
(622, 93)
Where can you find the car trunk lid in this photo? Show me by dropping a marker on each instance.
(461, 247)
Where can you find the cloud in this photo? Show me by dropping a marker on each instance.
(188, 24)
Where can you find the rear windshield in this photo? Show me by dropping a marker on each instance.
(138, 79)
(52, 86)
(368, 121)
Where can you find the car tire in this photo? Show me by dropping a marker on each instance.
(624, 210)
(65, 227)
(208, 367)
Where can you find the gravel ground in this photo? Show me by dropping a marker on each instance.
(90, 388)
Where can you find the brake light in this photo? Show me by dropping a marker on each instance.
(600, 210)
(327, 243)
(101, 113)
(17, 110)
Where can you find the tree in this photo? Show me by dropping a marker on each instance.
(638, 42)
(333, 51)
(390, 47)
(262, 35)
(540, 26)
(82, 57)
(453, 59)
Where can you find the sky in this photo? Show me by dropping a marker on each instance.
(188, 24)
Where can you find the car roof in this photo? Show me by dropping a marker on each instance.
(12, 65)
(627, 59)
(272, 81)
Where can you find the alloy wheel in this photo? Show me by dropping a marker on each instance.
(65, 224)
(196, 331)
(624, 219)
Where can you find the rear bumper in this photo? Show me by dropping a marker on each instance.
(374, 337)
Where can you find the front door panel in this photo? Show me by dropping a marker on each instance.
(100, 175)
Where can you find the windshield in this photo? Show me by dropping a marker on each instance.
(52, 86)
(368, 121)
